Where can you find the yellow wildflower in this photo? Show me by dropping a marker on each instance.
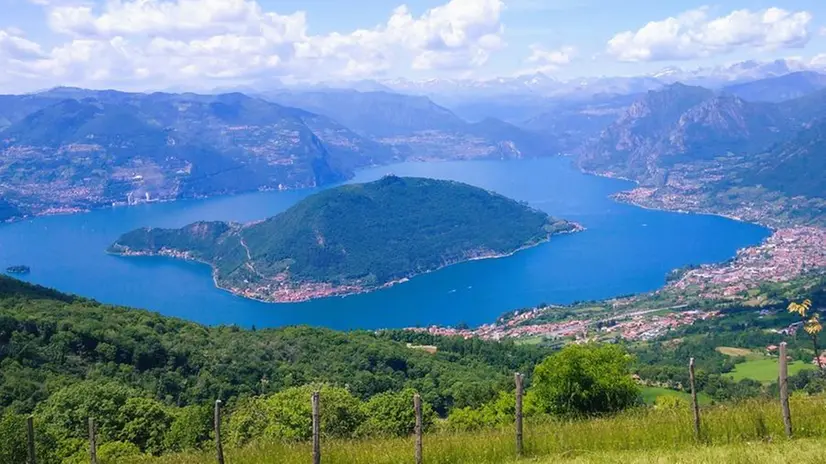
(800, 308)
(813, 326)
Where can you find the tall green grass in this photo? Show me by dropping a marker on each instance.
(656, 432)
(806, 451)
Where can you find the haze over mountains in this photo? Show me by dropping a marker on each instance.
(70, 149)
(450, 92)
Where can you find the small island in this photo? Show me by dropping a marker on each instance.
(18, 269)
(354, 238)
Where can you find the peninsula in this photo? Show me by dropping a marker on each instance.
(354, 238)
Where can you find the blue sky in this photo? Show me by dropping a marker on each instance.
(137, 44)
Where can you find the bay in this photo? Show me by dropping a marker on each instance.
(625, 249)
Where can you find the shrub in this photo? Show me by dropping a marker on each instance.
(288, 415)
(392, 414)
(191, 427)
(12, 438)
(145, 422)
(582, 380)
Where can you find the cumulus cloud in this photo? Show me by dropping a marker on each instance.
(694, 34)
(13, 46)
(173, 42)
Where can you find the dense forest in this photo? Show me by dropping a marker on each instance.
(49, 340)
(365, 234)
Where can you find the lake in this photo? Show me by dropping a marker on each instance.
(624, 250)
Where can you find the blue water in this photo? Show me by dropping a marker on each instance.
(625, 250)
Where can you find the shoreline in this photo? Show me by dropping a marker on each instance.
(683, 211)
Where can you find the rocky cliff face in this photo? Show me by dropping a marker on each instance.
(679, 124)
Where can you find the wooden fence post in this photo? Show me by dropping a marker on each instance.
(518, 378)
(30, 436)
(219, 447)
(784, 390)
(694, 405)
(417, 408)
(93, 447)
(316, 430)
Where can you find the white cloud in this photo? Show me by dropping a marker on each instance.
(694, 34)
(818, 61)
(13, 46)
(181, 42)
(546, 5)
(546, 61)
(558, 57)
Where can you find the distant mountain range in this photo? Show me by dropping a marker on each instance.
(416, 127)
(683, 123)
(778, 89)
(454, 92)
(797, 166)
(695, 149)
(72, 149)
(110, 147)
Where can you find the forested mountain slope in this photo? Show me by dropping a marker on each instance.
(49, 340)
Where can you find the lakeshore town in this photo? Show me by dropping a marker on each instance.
(785, 255)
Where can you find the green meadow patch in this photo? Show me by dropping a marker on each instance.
(764, 370)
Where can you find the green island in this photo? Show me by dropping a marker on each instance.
(353, 238)
(18, 269)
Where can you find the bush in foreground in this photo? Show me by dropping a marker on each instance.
(584, 380)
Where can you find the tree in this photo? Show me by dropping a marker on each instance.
(191, 427)
(392, 414)
(145, 422)
(811, 324)
(288, 415)
(12, 438)
(583, 380)
(68, 410)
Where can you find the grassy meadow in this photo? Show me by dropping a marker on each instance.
(758, 366)
(806, 451)
(764, 370)
(751, 432)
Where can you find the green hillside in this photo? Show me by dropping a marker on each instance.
(354, 238)
(65, 358)
(49, 340)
